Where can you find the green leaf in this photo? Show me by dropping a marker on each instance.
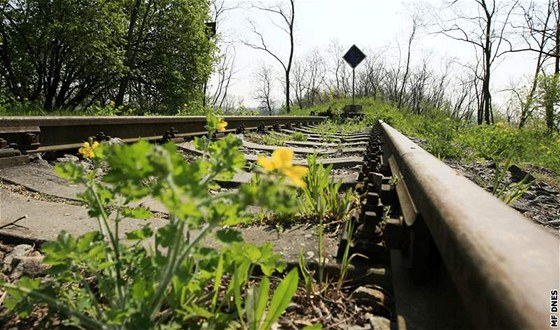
(139, 212)
(281, 298)
(140, 234)
(229, 235)
(237, 282)
(256, 304)
(218, 280)
(70, 171)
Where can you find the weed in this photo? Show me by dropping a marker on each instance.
(298, 136)
(505, 191)
(97, 282)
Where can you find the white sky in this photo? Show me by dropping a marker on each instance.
(369, 24)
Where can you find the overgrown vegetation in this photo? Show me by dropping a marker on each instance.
(164, 278)
(149, 56)
(448, 137)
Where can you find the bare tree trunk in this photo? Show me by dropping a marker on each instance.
(123, 85)
(288, 19)
(486, 97)
(407, 68)
(289, 66)
(557, 48)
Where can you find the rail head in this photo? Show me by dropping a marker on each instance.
(68, 131)
(504, 265)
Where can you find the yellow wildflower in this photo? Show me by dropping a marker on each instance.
(87, 149)
(281, 160)
(221, 124)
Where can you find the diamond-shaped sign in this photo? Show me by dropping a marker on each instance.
(354, 56)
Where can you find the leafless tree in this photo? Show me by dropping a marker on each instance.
(341, 83)
(419, 81)
(540, 35)
(407, 64)
(486, 32)
(223, 73)
(224, 63)
(299, 82)
(286, 17)
(316, 75)
(264, 81)
(371, 78)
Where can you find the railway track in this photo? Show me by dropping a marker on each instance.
(416, 214)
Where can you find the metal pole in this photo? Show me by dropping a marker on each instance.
(353, 75)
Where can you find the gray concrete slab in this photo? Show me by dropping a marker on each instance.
(289, 242)
(299, 150)
(41, 178)
(326, 144)
(41, 220)
(343, 162)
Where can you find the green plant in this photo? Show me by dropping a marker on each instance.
(274, 139)
(258, 297)
(298, 136)
(322, 200)
(162, 278)
(505, 191)
(346, 258)
(394, 180)
(307, 275)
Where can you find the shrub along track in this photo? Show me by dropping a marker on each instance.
(439, 226)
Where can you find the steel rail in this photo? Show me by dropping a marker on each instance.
(67, 132)
(503, 265)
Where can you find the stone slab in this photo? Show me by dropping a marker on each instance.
(288, 242)
(298, 150)
(342, 162)
(41, 178)
(326, 144)
(44, 220)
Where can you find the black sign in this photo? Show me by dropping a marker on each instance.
(354, 56)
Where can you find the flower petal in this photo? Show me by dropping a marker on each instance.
(282, 158)
(222, 125)
(266, 163)
(295, 174)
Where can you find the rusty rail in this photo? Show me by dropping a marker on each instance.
(39, 134)
(503, 265)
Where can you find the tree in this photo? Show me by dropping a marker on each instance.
(152, 55)
(264, 80)
(167, 54)
(538, 34)
(287, 25)
(224, 59)
(338, 67)
(486, 33)
(298, 82)
(371, 78)
(407, 65)
(61, 53)
(223, 73)
(548, 96)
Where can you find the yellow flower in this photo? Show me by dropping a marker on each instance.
(221, 124)
(281, 160)
(87, 149)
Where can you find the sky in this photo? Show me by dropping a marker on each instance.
(372, 25)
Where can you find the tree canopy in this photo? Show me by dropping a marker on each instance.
(69, 54)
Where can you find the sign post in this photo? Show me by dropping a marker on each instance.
(353, 57)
